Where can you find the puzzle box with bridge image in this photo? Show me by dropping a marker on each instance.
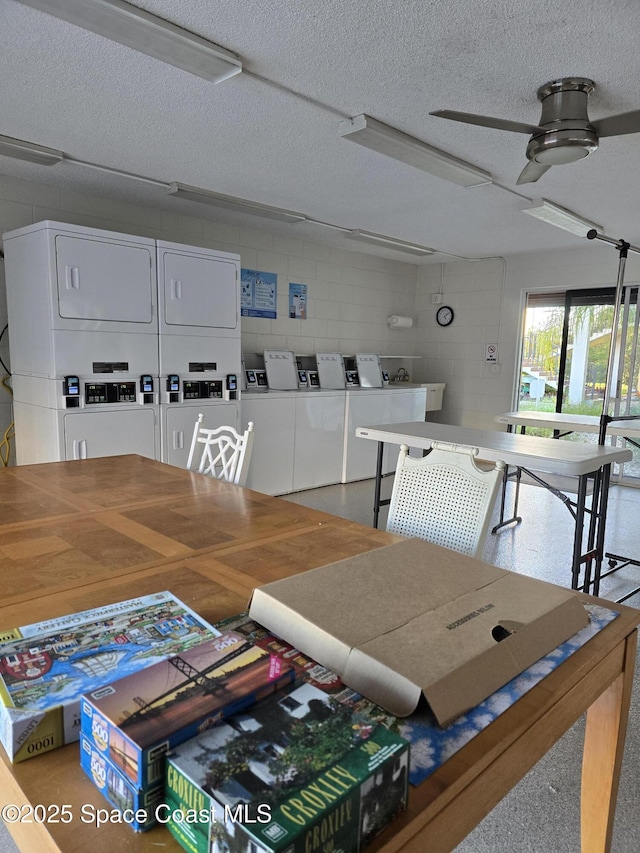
(134, 721)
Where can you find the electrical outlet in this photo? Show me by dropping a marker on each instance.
(436, 298)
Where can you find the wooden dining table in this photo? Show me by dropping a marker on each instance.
(76, 535)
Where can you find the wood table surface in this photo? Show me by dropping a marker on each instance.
(77, 535)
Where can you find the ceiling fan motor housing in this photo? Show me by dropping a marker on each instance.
(568, 135)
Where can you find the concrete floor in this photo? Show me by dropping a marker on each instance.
(541, 814)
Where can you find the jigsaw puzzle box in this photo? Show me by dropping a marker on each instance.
(134, 721)
(298, 772)
(46, 667)
(117, 789)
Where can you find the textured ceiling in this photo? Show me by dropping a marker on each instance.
(395, 60)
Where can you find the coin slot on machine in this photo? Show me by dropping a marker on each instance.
(173, 387)
(71, 391)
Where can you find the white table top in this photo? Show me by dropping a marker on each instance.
(571, 458)
(570, 423)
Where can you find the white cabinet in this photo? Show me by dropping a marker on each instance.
(371, 407)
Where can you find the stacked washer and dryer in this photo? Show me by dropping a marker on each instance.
(117, 342)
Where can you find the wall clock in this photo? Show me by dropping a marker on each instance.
(444, 316)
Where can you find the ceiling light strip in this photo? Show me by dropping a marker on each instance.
(553, 214)
(120, 172)
(21, 150)
(389, 242)
(229, 202)
(393, 143)
(132, 27)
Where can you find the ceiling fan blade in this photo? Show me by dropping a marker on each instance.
(487, 121)
(618, 125)
(531, 172)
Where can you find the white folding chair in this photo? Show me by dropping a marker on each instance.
(223, 453)
(444, 497)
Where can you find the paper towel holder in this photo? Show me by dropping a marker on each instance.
(395, 321)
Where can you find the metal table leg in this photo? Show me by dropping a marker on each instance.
(378, 485)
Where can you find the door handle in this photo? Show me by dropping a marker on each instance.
(80, 448)
(72, 278)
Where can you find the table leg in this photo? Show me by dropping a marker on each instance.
(578, 534)
(515, 518)
(378, 486)
(602, 758)
(602, 485)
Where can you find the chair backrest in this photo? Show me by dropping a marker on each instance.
(444, 497)
(222, 453)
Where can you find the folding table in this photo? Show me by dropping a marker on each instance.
(529, 453)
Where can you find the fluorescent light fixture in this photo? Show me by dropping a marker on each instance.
(560, 217)
(229, 202)
(393, 143)
(29, 151)
(126, 24)
(389, 242)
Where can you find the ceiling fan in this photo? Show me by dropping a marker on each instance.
(564, 133)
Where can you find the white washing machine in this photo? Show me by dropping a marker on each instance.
(98, 311)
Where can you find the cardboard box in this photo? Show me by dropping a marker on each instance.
(138, 807)
(135, 721)
(47, 666)
(414, 619)
(299, 772)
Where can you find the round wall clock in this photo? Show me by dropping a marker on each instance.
(444, 316)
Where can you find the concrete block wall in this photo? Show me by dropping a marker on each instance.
(350, 296)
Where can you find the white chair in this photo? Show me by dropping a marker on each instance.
(224, 453)
(444, 497)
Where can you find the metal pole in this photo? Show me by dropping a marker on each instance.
(601, 482)
(623, 248)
